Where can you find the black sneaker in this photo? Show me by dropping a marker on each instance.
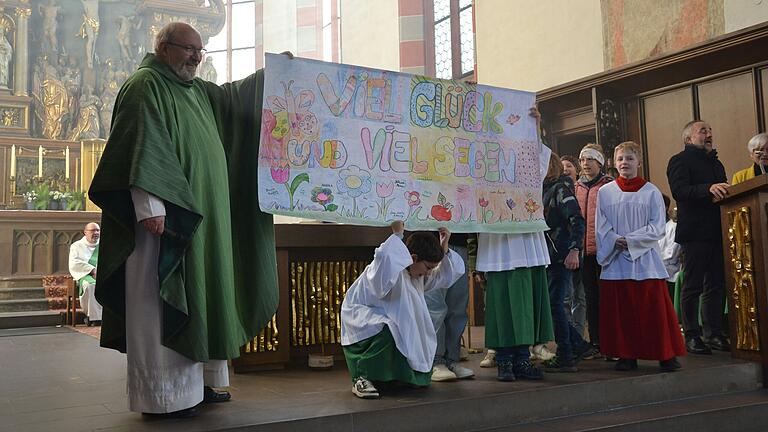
(587, 352)
(506, 372)
(526, 370)
(557, 366)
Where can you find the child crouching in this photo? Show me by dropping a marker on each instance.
(386, 331)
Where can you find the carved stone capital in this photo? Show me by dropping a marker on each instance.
(23, 12)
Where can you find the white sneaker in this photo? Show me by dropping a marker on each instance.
(461, 372)
(540, 352)
(489, 360)
(442, 373)
(364, 389)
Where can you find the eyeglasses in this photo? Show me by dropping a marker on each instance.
(190, 50)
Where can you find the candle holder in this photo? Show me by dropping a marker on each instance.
(12, 182)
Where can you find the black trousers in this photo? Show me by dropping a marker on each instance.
(703, 279)
(590, 277)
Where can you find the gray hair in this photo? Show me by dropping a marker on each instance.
(687, 129)
(757, 141)
(165, 33)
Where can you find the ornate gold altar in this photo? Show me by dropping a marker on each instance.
(316, 264)
(58, 85)
(744, 218)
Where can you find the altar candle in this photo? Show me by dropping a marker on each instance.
(40, 161)
(13, 160)
(66, 163)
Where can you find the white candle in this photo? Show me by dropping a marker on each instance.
(13, 160)
(66, 163)
(40, 161)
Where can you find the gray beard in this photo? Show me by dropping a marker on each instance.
(185, 75)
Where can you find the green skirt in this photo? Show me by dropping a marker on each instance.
(517, 310)
(378, 359)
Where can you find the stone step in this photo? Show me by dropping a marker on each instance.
(743, 411)
(30, 319)
(24, 305)
(22, 293)
(503, 411)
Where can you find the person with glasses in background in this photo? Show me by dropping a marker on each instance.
(758, 152)
(83, 265)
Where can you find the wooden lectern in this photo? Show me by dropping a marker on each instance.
(744, 220)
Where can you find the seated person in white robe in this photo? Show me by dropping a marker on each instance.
(83, 261)
(386, 330)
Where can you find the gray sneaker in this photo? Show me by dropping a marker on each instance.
(364, 389)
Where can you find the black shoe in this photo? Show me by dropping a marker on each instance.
(213, 396)
(556, 365)
(670, 365)
(526, 370)
(695, 345)
(185, 413)
(719, 343)
(587, 352)
(626, 365)
(506, 372)
(86, 321)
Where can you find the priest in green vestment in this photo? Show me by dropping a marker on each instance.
(188, 271)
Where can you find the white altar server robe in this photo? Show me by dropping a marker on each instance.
(385, 294)
(637, 216)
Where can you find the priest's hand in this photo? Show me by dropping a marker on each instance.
(155, 225)
(445, 235)
(621, 243)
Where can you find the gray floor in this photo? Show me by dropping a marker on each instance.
(63, 381)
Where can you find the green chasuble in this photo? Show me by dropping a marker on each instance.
(94, 260)
(194, 145)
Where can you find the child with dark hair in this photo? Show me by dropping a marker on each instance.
(386, 331)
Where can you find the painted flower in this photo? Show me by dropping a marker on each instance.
(483, 202)
(531, 206)
(511, 204)
(413, 198)
(280, 175)
(354, 182)
(383, 190)
(322, 195)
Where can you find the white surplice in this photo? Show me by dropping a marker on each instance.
(80, 252)
(638, 217)
(386, 294)
(160, 380)
(670, 251)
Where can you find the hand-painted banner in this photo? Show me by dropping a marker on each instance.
(364, 146)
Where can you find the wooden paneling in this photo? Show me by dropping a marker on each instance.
(665, 115)
(764, 82)
(728, 105)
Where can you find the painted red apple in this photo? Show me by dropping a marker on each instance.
(442, 210)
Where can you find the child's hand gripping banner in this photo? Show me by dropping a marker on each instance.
(364, 146)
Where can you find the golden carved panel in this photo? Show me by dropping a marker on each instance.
(317, 290)
(743, 274)
(267, 340)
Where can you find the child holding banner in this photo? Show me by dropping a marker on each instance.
(386, 331)
(517, 294)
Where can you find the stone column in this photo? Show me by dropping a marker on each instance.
(21, 51)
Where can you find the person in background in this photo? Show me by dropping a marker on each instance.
(566, 231)
(592, 179)
(758, 153)
(448, 310)
(83, 265)
(575, 300)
